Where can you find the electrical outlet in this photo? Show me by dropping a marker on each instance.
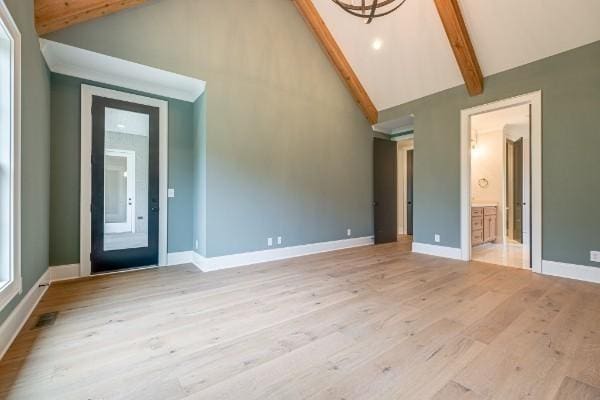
(349, 232)
(269, 242)
(171, 193)
(279, 239)
(436, 237)
(595, 256)
(197, 245)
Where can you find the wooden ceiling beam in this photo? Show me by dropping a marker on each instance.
(315, 22)
(52, 15)
(461, 44)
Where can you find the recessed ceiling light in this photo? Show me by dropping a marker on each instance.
(377, 44)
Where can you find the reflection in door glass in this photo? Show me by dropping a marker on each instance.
(125, 180)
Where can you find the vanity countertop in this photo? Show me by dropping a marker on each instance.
(484, 204)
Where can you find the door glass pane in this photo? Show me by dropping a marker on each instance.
(126, 151)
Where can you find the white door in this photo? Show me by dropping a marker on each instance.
(119, 193)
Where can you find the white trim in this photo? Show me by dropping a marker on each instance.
(405, 187)
(14, 286)
(87, 92)
(403, 138)
(182, 257)
(96, 67)
(571, 271)
(535, 101)
(63, 272)
(438, 251)
(398, 125)
(207, 264)
(129, 224)
(13, 324)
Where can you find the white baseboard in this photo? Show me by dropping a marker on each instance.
(182, 257)
(435, 250)
(571, 271)
(207, 264)
(63, 272)
(13, 324)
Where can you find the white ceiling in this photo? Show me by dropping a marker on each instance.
(416, 59)
(494, 121)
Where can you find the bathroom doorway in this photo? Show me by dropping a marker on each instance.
(501, 183)
(500, 187)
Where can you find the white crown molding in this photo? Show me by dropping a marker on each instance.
(438, 251)
(85, 64)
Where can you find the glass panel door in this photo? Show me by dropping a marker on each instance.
(124, 185)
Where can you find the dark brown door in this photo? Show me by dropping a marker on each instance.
(409, 191)
(385, 196)
(518, 190)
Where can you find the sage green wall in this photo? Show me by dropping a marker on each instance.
(65, 170)
(288, 152)
(35, 151)
(570, 84)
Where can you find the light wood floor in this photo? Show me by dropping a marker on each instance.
(367, 323)
(513, 255)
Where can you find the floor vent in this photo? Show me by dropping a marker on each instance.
(46, 320)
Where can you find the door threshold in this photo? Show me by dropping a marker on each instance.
(124, 270)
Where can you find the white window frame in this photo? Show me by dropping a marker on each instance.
(12, 287)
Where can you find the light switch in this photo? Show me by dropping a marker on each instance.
(171, 193)
(595, 256)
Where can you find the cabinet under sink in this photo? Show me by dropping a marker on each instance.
(483, 224)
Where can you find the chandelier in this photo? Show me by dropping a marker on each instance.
(369, 9)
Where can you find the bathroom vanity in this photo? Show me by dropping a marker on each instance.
(483, 223)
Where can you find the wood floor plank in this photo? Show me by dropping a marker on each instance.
(376, 322)
(572, 389)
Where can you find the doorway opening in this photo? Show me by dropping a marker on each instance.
(500, 187)
(501, 182)
(393, 166)
(406, 158)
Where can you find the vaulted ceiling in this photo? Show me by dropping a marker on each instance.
(415, 57)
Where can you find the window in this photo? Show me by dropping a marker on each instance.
(10, 153)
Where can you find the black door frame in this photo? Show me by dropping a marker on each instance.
(106, 261)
